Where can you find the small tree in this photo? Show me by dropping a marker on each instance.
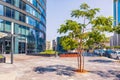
(116, 29)
(75, 36)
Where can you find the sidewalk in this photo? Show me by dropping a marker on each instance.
(8, 76)
(50, 68)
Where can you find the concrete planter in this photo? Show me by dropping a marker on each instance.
(68, 54)
(2, 60)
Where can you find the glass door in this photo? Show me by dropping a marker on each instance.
(21, 47)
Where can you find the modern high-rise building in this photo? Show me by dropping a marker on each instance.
(24, 22)
(116, 12)
(48, 45)
(54, 45)
(59, 47)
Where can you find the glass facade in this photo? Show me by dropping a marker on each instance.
(116, 7)
(116, 12)
(30, 28)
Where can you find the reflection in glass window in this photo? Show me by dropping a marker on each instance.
(16, 3)
(9, 1)
(12, 13)
(1, 9)
(1, 24)
(27, 31)
(43, 20)
(34, 2)
(22, 30)
(7, 26)
(16, 15)
(22, 5)
(32, 11)
(7, 12)
(42, 2)
(16, 28)
(30, 21)
(21, 17)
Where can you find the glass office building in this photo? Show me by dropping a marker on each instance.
(25, 20)
(116, 12)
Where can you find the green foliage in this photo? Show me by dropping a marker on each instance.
(85, 12)
(108, 47)
(102, 24)
(117, 47)
(76, 37)
(1, 56)
(70, 26)
(49, 52)
(68, 43)
(117, 29)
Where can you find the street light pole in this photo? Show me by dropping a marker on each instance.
(12, 42)
(12, 49)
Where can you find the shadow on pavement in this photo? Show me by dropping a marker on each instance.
(58, 69)
(101, 61)
(108, 74)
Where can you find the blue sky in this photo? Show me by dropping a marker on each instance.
(59, 10)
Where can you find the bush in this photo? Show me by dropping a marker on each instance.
(2, 59)
(117, 47)
(49, 52)
(1, 56)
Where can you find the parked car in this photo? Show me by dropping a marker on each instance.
(109, 52)
(101, 52)
(116, 55)
(96, 52)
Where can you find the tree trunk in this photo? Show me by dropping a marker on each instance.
(78, 59)
(80, 62)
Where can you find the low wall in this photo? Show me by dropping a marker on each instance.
(2, 60)
(44, 55)
(68, 55)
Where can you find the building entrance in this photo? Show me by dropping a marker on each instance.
(1, 47)
(22, 47)
(7, 46)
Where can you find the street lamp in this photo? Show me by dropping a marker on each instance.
(12, 42)
(12, 48)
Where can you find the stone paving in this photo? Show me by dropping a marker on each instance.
(52, 68)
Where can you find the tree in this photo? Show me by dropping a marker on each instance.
(117, 29)
(75, 36)
(95, 38)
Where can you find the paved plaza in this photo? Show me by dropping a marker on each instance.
(54, 68)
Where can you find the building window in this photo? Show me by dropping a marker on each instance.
(34, 2)
(9, 1)
(22, 5)
(30, 21)
(32, 11)
(7, 12)
(12, 14)
(16, 3)
(22, 17)
(27, 31)
(1, 9)
(7, 26)
(16, 28)
(16, 15)
(23, 30)
(1, 25)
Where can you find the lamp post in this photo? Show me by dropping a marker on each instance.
(12, 42)
(12, 49)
